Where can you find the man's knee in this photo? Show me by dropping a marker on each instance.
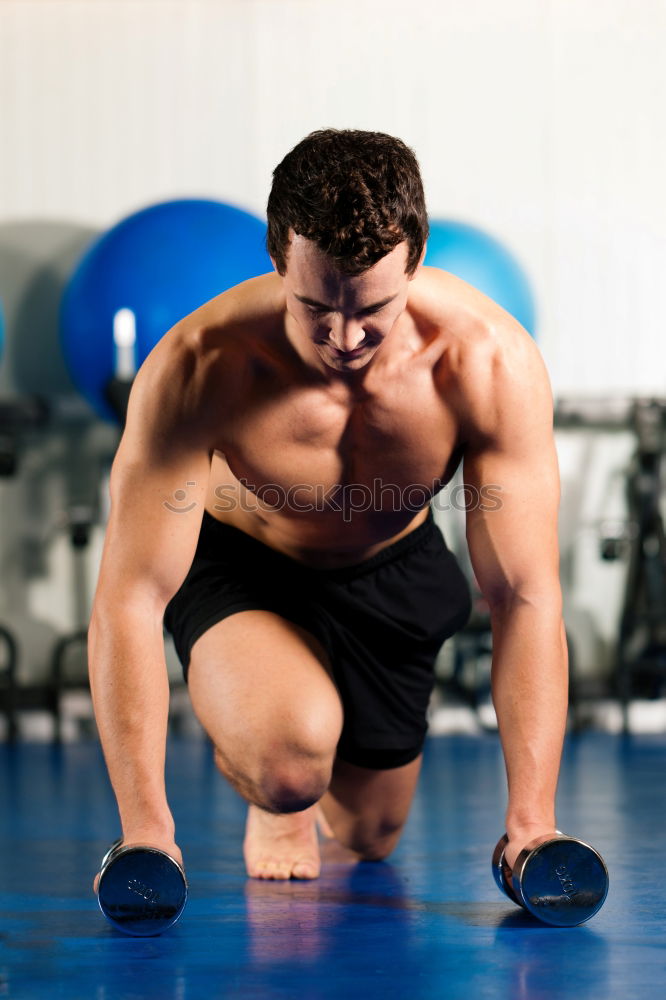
(373, 844)
(281, 782)
(294, 769)
(292, 783)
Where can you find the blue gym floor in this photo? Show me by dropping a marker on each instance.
(429, 922)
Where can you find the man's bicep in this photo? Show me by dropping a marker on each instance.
(153, 526)
(513, 498)
(158, 487)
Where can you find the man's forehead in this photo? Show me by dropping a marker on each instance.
(324, 285)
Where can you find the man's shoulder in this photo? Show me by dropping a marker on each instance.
(252, 305)
(460, 308)
(198, 365)
(490, 368)
(218, 335)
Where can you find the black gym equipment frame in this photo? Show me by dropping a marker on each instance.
(640, 649)
(641, 644)
(639, 656)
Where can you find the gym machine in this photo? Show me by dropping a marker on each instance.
(639, 539)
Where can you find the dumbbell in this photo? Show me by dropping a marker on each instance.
(561, 881)
(142, 891)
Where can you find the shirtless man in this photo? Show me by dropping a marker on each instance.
(270, 504)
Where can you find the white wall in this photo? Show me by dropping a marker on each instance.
(540, 120)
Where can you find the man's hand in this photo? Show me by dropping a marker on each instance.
(149, 838)
(519, 839)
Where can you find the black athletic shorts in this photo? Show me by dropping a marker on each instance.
(382, 623)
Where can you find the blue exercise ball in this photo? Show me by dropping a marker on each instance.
(482, 261)
(161, 263)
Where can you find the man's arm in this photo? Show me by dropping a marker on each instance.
(148, 549)
(515, 557)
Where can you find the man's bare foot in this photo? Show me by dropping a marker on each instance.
(281, 846)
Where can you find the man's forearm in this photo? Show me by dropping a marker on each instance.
(130, 689)
(530, 694)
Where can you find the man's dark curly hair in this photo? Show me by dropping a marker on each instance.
(355, 194)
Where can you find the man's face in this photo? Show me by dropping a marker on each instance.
(344, 318)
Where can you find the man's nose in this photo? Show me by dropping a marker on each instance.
(347, 334)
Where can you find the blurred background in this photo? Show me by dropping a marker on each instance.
(138, 140)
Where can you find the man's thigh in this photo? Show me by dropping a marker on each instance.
(261, 685)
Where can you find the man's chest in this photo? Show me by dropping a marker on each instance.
(400, 435)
